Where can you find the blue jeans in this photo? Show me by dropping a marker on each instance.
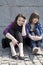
(33, 43)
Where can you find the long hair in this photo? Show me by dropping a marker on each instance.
(16, 18)
(32, 16)
(19, 15)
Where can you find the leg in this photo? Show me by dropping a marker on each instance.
(12, 49)
(32, 43)
(37, 32)
(14, 55)
(20, 40)
(38, 43)
(26, 41)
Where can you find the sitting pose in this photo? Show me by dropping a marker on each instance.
(14, 33)
(34, 32)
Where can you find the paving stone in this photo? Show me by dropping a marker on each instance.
(37, 62)
(32, 57)
(0, 63)
(28, 63)
(13, 63)
(20, 63)
(4, 64)
(0, 59)
(5, 58)
(27, 59)
(12, 60)
(5, 61)
(41, 59)
(34, 60)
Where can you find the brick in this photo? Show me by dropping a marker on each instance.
(28, 63)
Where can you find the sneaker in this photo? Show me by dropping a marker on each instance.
(35, 50)
(40, 52)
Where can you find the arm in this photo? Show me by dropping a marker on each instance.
(35, 38)
(24, 29)
(8, 35)
(8, 28)
(40, 29)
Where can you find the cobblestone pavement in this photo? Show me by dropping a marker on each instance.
(30, 59)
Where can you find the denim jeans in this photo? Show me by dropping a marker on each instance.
(33, 43)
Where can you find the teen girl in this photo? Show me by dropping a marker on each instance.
(14, 33)
(34, 32)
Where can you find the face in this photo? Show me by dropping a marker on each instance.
(35, 20)
(20, 21)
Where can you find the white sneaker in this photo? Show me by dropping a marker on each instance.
(35, 50)
(39, 51)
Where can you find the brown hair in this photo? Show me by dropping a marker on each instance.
(19, 15)
(33, 15)
(16, 18)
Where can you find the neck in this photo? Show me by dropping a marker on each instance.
(32, 23)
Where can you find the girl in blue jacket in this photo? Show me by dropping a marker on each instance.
(34, 32)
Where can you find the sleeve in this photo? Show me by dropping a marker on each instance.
(40, 29)
(27, 29)
(8, 28)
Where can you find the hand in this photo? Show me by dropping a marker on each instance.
(36, 38)
(40, 37)
(14, 41)
(25, 22)
(33, 37)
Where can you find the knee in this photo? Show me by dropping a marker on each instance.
(37, 32)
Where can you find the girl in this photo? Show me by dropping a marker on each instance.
(34, 33)
(14, 33)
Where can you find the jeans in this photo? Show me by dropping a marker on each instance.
(17, 35)
(33, 43)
